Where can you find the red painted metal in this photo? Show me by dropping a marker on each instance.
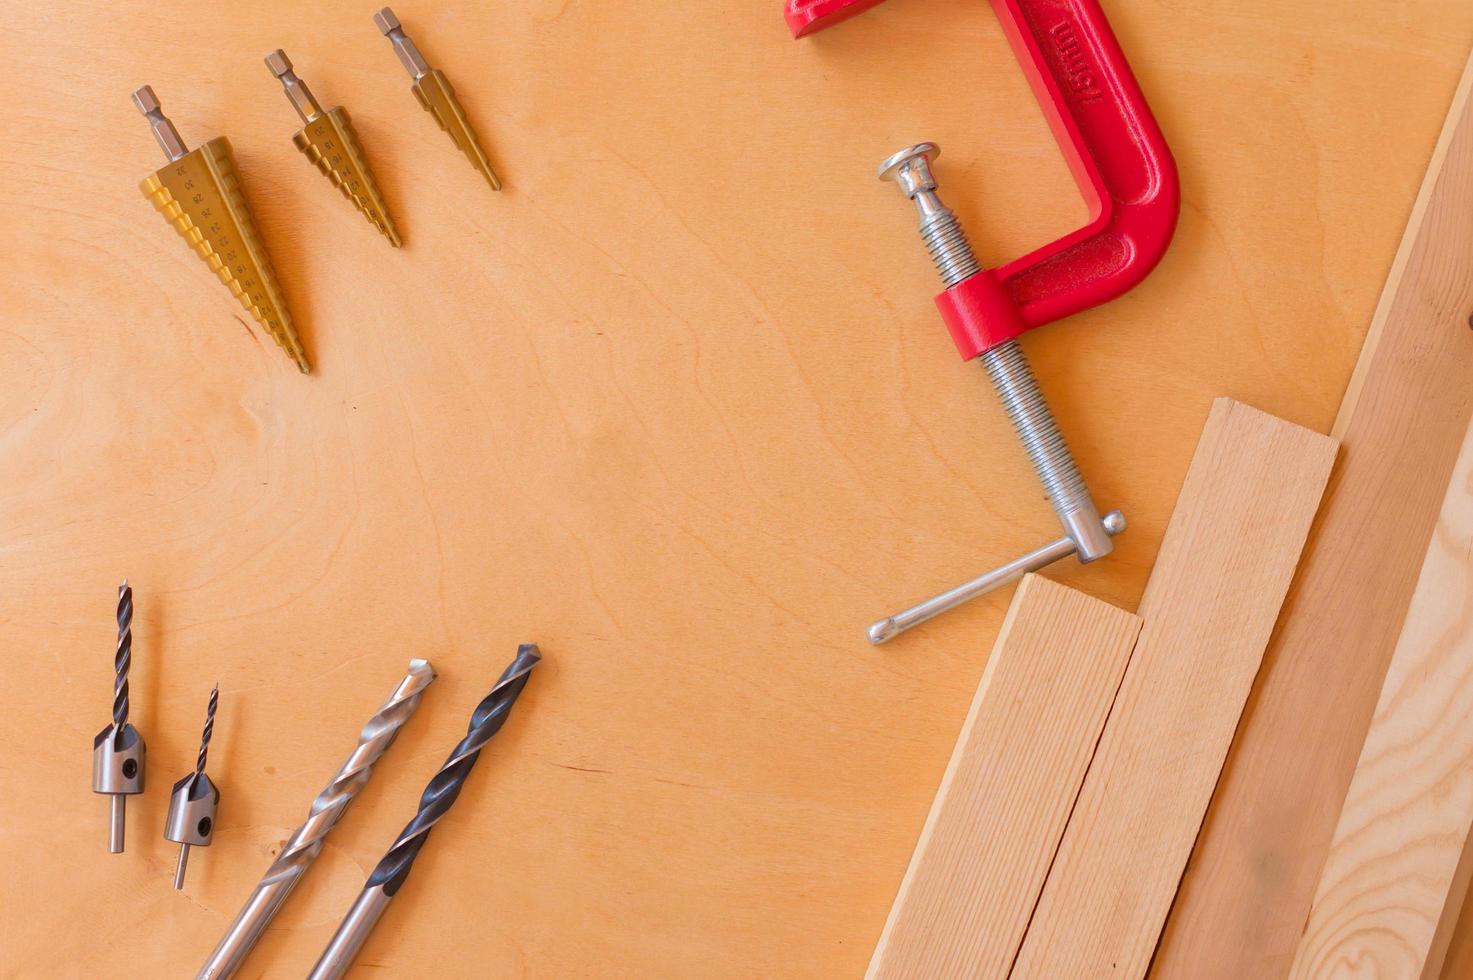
(1114, 149)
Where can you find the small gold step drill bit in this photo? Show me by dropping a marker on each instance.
(192, 806)
(433, 90)
(117, 751)
(327, 140)
(199, 192)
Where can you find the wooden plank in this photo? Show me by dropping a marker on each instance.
(1230, 550)
(1395, 880)
(1013, 778)
(1249, 885)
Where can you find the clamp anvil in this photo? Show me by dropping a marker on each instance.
(1128, 178)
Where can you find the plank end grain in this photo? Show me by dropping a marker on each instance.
(1229, 554)
(1397, 871)
(1013, 778)
(1249, 885)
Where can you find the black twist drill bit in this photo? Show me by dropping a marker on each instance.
(123, 659)
(194, 801)
(204, 740)
(117, 751)
(439, 795)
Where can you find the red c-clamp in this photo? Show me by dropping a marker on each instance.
(1124, 169)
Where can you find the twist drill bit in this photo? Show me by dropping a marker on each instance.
(433, 90)
(389, 875)
(302, 848)
(117, 751)
(328, 141)
(191, 819)
(198, 192)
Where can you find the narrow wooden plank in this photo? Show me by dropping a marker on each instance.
(1394, 881)
(1250, 882)
(1230, 550)
(1013, 778)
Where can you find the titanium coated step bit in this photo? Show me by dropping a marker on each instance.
(439, 795)
(302, 848)
(198, 191)
(433, 90)
(192, 806)
(117, 751)
(327, 140)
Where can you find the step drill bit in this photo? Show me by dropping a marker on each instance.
(191, 819)
(199, 192)
(117, 751)
(444, 787)
(433, 90)
(302, 848)
(328, 141)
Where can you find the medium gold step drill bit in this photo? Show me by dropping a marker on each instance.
(433, 90)
(199, 192)
(327, 139)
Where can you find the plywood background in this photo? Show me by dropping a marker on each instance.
(675, 405)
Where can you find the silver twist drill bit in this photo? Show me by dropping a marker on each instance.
(302, 848)
(389, 875)
(192, 807)
(117, 751)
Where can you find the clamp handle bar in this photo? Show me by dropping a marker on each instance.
(1114, 149)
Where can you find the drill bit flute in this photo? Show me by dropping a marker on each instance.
(117, 751)
(437, 799)
(191, 820)
(302, 848)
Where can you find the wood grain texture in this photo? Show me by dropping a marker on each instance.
(1394, 880)
(991, 835)
(676, 405)
(1229, 554)
(1249, 886)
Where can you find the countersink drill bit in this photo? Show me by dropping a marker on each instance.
(302, 848)
(433, 90)
(328, 140)
(117, 751)
(191, 819)
(438, 796)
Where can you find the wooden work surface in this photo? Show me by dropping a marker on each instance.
(675, 405)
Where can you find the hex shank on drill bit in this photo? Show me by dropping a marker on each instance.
(488, 718)
(302, 848)
(118, 750)
(436, 95)
(328, 141)
(199, 193)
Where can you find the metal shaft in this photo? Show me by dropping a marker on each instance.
(1088, 536)
(302, 848)
(404, 48)
(164, 132)
(390, 873)
(179, 869)
(297, 91)
(117, 822)
(892, 626)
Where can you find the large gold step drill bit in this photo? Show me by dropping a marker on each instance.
(328, 141)
(199, 192)
(433, 90)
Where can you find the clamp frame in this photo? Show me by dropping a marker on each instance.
(1114, 149)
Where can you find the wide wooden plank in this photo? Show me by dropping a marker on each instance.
(1249, 885)
(1392, 885)
(1013, 778)
(1229, 553)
